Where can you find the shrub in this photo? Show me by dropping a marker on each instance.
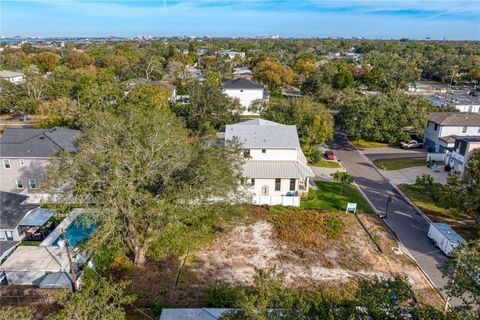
(315, 155)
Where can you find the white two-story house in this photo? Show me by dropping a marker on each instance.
(24, 155)
(247, 91)
(458, 156)
(443, 126)
(276, 169)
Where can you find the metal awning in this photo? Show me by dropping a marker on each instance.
(36, 218)
(56, 280)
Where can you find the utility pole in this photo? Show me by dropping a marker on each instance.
(70, 260)
(389, 200)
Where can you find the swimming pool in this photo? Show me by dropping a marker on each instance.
(76, 233)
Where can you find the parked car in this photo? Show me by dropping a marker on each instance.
(329, 155)
(411, 144)
(444, 237)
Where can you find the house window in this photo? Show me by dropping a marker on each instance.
(246, 153)
(22, 162)
(252, 182)
(478, 130)
(435, 127)
(292, 184)
(32, 183)
(6, 164)
(241, 90)
(278, 183)
(264, 150)
(9, 235)
(19, 183)
(464, 129)
(470, 108)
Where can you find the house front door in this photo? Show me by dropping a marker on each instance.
(265, 191)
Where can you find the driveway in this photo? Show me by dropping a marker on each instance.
(408, 175)
(409, 225)
(394, 152)
(323, 174)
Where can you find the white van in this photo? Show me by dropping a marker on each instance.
(444, 237)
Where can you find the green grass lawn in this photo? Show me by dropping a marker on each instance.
(439, 213)
(325, 164)
(328, 197)
(399, 163)
(362, 144)
(30, 243)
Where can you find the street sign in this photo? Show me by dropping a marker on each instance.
(351, 207)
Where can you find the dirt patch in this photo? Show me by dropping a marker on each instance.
(313, 249)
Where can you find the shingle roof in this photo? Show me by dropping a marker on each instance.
(241, 83)
(276, 169)
(9, 74)
(12, 211)
(6, 245)
(31, 143)
(261, 133)
(455, 118)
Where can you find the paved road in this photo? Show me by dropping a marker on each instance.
(410, 227)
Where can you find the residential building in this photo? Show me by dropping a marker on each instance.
(25, 152)
(12, 76)
(243, 72)
(442, 126)
(232, 54)
(458, 157)
(275, 168)
(461, 101)
(247, 91)
(18, 220)
(165, 83)
(32, 265)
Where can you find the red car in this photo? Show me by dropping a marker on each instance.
(329, 155)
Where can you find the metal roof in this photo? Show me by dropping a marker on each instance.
(276, 169)
(448, 232)
(56, 280)
(241, 83)
(12, 211)
(37, 258)
(10, 74)
(455, 118)
(261, 133)
(36, 143)
(467, 138)
(36, 218)
(193, 313)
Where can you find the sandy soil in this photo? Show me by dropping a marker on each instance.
(233, 258)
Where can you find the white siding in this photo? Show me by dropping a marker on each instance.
(246, 97)
(270, 186)
(274, 154)
(468, 108)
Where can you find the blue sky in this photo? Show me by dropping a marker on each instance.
(288, 18)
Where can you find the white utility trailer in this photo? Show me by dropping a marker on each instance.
(444, 237)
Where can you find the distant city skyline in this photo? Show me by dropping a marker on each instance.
(438, 19)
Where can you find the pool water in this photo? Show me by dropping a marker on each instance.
(76, 233)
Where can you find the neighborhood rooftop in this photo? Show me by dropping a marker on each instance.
(9, 74)
(28, 143)
(37, 258)
(261, 133)
(241, 83)
(276, 169)
(455, 118)
(12, 211)
(193, 313)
